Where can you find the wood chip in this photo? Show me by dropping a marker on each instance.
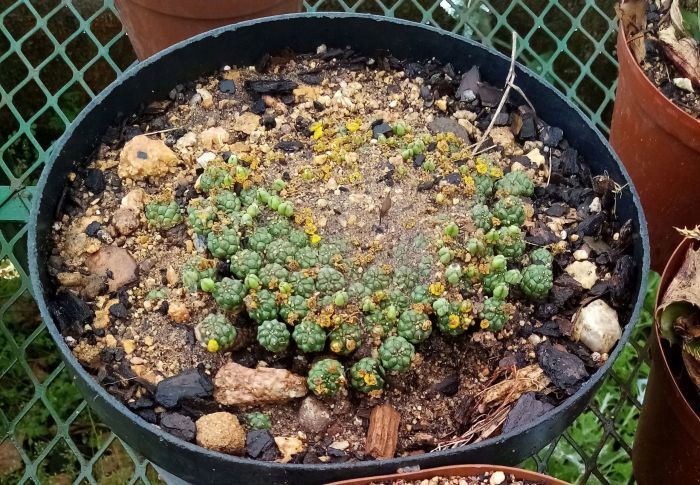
(383, 433)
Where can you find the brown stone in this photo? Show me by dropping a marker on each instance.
(235, 385)
(125, 220)
(213, 138)
(178, 312)
(144, 157)
(383, 433)
(247, 123)
(221, 432)
(116, 264)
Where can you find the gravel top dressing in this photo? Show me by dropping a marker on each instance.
(331, 257)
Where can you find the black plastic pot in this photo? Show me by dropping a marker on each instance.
(243, 44)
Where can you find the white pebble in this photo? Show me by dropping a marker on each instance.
(580, 255)
(595, 206)
(205, 158)
(597, 327)
(497, 478)
(584, 272)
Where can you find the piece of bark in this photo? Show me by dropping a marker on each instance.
(383, 433)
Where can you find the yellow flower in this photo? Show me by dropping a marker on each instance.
(212, 345)
(484, 324)
(315, 239)
(437, 288)
(453, 321)
(468, 181)
(318, 133)
(352, 126)
(370, 379)
(481, 167)
(496, 173)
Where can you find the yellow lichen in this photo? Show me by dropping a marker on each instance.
(437, 288)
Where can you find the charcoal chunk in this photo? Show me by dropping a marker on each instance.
(227, 86)
(118, 310)
(270, 86)
(190, 383)
(260, 445)
(71, 313)
(591, 225)
(527, 409)
(289, 146)
(565, 370)
(178, 425)
(622, 281)
(381, 129)
(95, 181)
(93, 228)
(551, 136)
(448, 386)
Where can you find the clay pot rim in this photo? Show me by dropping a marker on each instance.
(209, 9)
(656, 103)
(684, 410)
(459, 471)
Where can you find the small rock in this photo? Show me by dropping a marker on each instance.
(134, 200)
(597, 326)
(213, 138)
(118, 310)
(580, 255)
(503, 136)
(497, 478)
(289, 146)
(536, 157)
(129, 346)
(93, 228)
(595, 205)
(186, 140)
(551, 136)
(125, 220)
(260, 445)
(340, 445)
(207, 98)
(93, 285)
(179, 312)
(206, 157)
(227, 86)
(189, 383)
(171, 276)
(683, 83)
(527, 408)
(314, 416)
(70, 279)
(238, 385)
(247, 123)
(565, 370)
(381, 129)
(289, 446)
(584, 272)
(448, 386)
(444, 124)
(270, 86)
(221, 432)
(95, 181)
(71, 313)
(116, 264)
(178, 425)
(143, 157)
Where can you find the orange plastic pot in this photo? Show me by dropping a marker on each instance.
(667, 443)
(153, 25)
(659, 144)
(457, 471)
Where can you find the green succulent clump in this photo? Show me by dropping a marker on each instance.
(280, 228)
(294, 309)
(516, 183)
(246, 262)
(273, 335)
(248, 196)
(493, 315)
(259, 240)
(302, 285)
(280, 251)
(399, 299)
(195, 270)
(214, 177)
(536, 282)
(396, 354)
(377, 324)
(421, 294)
(482, 217)
(229, 293)
(258, 420)
(298, 238)
(510, 211)
(405, 278)
(452, 320)
(272, 274)
(307, 257)
(541, 256)
(477, 248)
(484, 186)
(375, 278)
(309, 336)
(227, 201)
(224, 243)
(344, 339)
(329, 280)
(326, 377)
(215, 332)
(453, 274)
(367, 376)
(163, 215)
(261, 306)
(329, 253)
(200, 217)
(357, 291)
(414, 326)
(511, 243)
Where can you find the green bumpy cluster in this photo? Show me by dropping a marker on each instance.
(396, 354)
(482, 217)
(510, 211)
(414, 326)
(280, 251)
(273, 335)
(294, 309)
(224, 243)
(516, 183)
(302, 284)
(329, 280)
(499, 276)
(272, 274)
(483, 185)
(326, 377)
(344, 339)
(228, 201)
(195, 270)
(259, 239)
(307, 257)
(229, 293)
(246, 262)
(163, 215)
(453, 318)
(215, 332)
(367, 376)
(537, 281)
(309, 336)
(375, 278)
(261, 306)
(493, 315)
(214, 177)
(541, 256)
(511, 242)
(258, 420)
(201, 217)
(378, 325)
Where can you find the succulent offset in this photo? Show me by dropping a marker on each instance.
(326, 377)
(215, 332)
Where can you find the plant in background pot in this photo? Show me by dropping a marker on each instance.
(655, 128)
(153, 25)
(667, 443)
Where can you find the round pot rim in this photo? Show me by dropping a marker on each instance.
(593, 381)
(669, 110)
(459, 471)
(684, 410)
(209, 9)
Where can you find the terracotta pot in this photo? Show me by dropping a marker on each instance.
(659, 144)
(457, 471)
(667, 444)
(153, 25)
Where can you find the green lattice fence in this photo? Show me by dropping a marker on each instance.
(56, 55)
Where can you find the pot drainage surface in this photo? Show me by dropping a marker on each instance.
(51, 433)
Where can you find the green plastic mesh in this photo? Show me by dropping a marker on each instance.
(56, 55)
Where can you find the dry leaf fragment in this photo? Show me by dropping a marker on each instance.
(682, 53)
(633, 17)
(384, 207)
(682, 299)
